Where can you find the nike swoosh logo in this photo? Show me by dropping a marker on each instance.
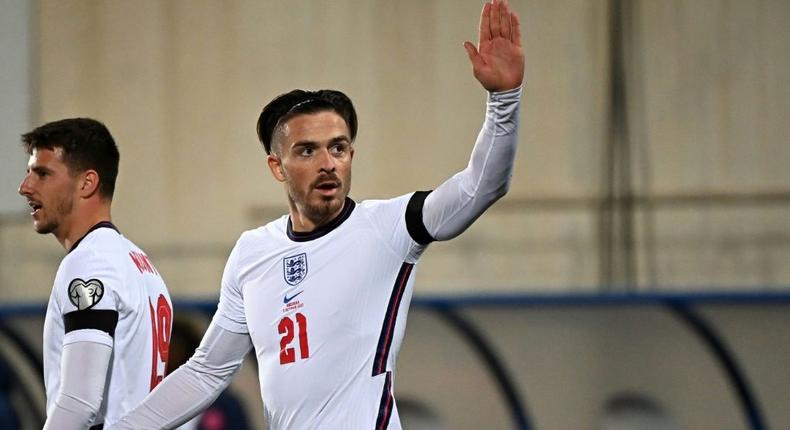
(287, 299)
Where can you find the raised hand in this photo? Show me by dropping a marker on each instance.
(498, 60)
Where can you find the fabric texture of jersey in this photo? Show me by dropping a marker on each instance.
(103, 277)
(326, 313)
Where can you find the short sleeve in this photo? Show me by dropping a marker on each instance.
(398, 220)
(230, 311)
(86, 290)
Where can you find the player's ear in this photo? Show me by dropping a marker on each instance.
(88, 183)
(276, 166)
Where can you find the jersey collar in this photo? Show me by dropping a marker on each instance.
(301, 236)
(101, 224)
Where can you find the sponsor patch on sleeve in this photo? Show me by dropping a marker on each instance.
(85, 294)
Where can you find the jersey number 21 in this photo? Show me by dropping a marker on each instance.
(286, 328)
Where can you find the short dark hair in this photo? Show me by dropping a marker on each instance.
(298, 102)
(86, 144)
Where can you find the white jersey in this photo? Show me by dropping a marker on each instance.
(326, 312)
(107, 284)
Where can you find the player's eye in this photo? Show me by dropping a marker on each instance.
(339, 149)
(306, 151)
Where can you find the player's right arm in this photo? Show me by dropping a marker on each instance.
(194, 386)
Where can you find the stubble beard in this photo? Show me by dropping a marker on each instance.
(323, 211)
(51, 223)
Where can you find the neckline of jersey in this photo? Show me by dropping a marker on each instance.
(100, 224)
(300, 236)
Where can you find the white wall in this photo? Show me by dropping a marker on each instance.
(17, 42)
(180, 85)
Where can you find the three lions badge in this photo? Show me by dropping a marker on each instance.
(295, 268)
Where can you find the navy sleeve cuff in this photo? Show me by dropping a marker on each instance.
(100, 319)
(414, 223)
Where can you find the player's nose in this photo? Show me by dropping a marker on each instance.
(24, 187)
(326, 161)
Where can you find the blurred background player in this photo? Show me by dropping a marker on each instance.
(322, 294)
(107, 327)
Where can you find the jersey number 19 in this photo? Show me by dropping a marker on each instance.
(161, 324)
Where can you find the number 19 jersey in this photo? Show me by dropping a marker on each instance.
(107, 285)
(326, 312)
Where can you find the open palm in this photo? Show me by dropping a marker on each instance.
(498, 59)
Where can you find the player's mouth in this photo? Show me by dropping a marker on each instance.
(327, 188)
(35, 207)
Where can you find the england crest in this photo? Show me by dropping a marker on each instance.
(295, 268)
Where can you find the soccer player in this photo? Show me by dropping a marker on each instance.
(322, 294)
(107, 328)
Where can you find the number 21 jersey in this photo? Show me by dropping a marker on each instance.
(326, 312)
